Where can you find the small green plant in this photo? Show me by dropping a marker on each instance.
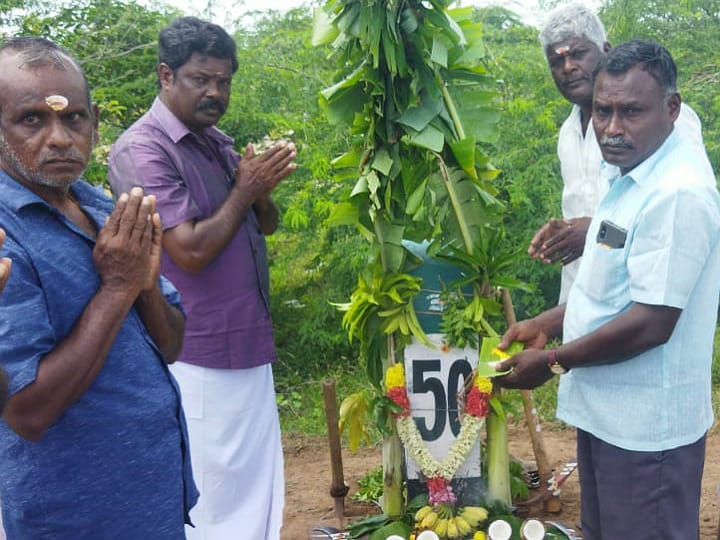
(370, 487)
(519, 489)
(292, 401)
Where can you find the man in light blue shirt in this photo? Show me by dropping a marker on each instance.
(639, 323)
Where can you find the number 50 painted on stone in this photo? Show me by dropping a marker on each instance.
(434, 379)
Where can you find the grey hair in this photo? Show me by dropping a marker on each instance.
(36, 51)
(572, 21)
(40, 52)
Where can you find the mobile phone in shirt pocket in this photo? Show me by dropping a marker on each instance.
(606, 271)
(610, 235)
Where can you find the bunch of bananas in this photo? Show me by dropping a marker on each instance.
(474, 515)
(384, 297)
(440, 519)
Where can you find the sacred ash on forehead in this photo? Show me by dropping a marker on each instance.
(562, 51)
(56, 102)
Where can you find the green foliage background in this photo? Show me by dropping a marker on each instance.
(275, 92)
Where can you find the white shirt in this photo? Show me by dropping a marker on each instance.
(585, 175)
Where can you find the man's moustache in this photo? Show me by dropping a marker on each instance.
(617, 142)
(69, 155)
(211, 104)
(579, 79)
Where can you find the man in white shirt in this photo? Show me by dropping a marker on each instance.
(574, 41)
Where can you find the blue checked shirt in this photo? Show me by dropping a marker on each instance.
(115, 465)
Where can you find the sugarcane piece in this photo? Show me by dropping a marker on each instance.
(550, 504)
(338, 488)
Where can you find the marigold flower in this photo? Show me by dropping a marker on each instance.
(483, 384)
(395, 376)
(439, 472)
(497, 353)
(479, 535)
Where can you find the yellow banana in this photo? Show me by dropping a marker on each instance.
(429, 520)
(462, 525)
(474, 515)
(441, 527)
(420, 514)
(452, 530)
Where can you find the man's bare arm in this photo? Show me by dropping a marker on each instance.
(5, 266)
(640, 328)
(68, 370)
(536, 332)
(164, 323)
(267, 214)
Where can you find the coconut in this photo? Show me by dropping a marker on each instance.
(427, 535)
(499, 530)
(532, 529)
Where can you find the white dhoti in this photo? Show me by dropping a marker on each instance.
(236, 452)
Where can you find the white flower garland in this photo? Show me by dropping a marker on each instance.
(430, 467)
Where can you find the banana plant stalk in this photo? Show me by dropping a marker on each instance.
(393, 501)
(392, 498)
(400, 109)
(498, 457)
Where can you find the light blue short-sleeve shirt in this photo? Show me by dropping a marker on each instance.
(660, 399)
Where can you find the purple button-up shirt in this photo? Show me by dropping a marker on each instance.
(227, 304)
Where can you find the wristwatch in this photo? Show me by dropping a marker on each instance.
(555, 367)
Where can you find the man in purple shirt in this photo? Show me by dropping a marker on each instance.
(215, 210)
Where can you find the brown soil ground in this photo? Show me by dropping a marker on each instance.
(307, 473)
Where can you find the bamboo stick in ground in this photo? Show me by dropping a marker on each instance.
(338, 487)
(550, 504)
